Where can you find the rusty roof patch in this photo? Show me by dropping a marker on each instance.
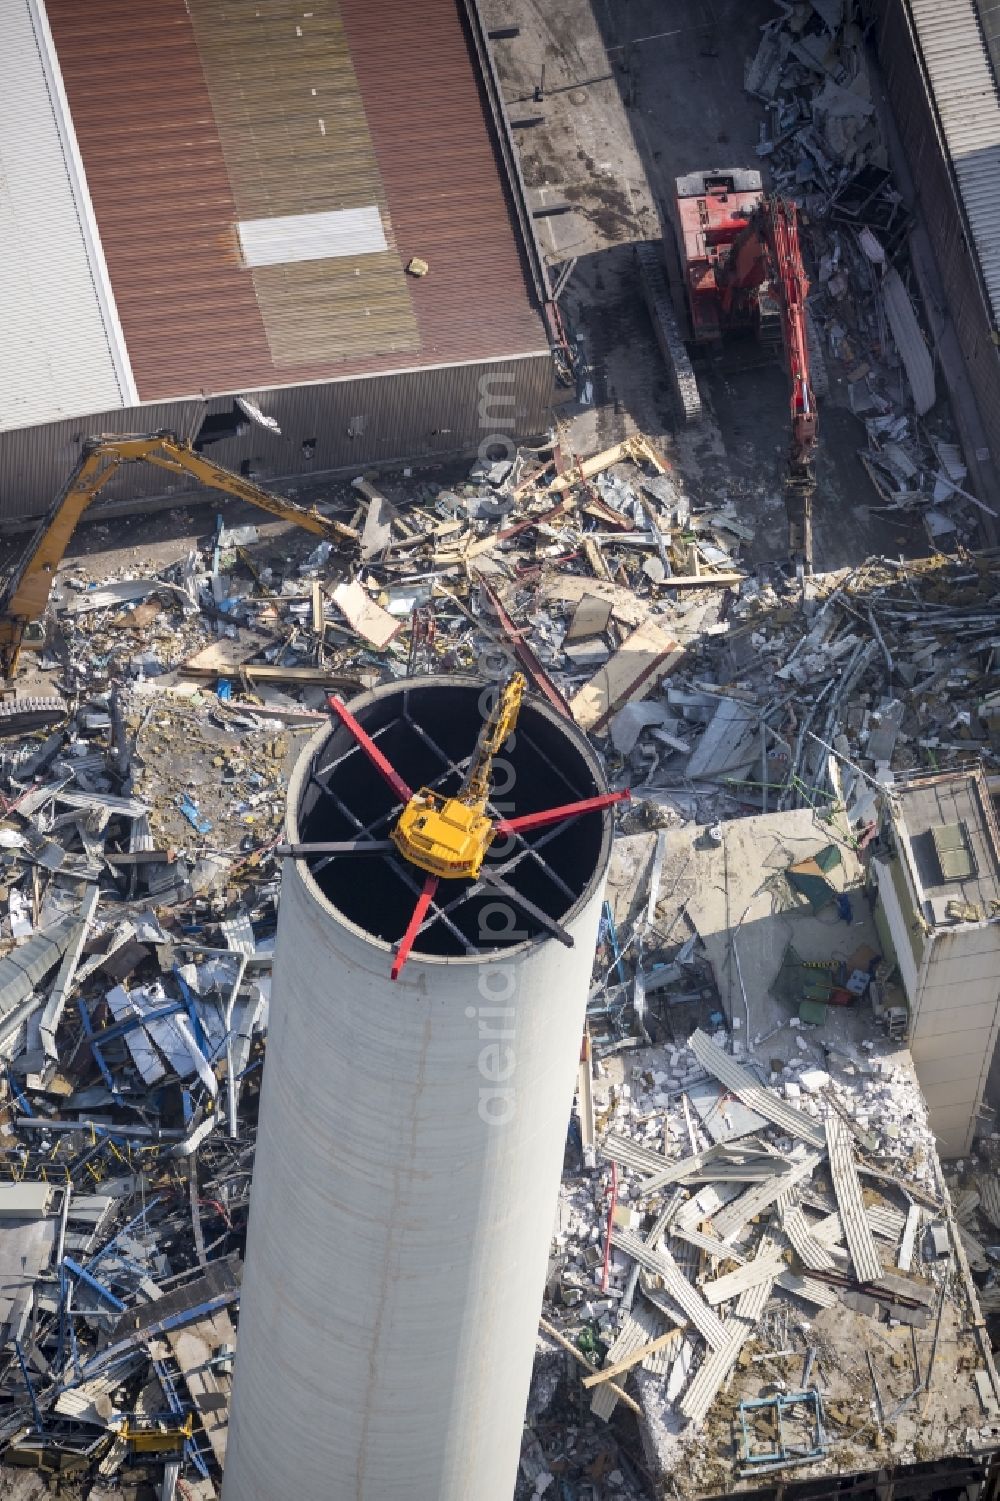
(213, 121)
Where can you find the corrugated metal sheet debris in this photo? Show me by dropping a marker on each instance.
(716, 1367)
(809, 1250)
(639, 1327)
(965, 96)
(732, 1284)
(860, 1243)
(753, 1094)
(809, 1289)
(704, 1319)
(755, 1200)
(909, 340)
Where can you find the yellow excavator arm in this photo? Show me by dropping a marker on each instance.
(495, 733)
(26, 592)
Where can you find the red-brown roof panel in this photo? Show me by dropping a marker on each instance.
(219, 112)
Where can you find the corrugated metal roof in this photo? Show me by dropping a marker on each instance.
(58, 356)
(965, 95)
(229, 112)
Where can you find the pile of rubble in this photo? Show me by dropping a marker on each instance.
(778, 1298)
(133, 1003)
(142, 801)
(823, 146)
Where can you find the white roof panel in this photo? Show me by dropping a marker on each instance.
(312, 237)
(62, 352)
(961, 80)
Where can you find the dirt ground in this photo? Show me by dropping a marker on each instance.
(635, 93)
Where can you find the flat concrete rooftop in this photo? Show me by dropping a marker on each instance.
(951, 830)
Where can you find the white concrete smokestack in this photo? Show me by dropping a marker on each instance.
(411, 1133)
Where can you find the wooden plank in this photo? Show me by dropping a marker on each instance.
(644, 658)
(595, 558)
(637, 1356)
(625, 606)
(702, 580)
(551, 1333)
(220, 658)
(606, 459)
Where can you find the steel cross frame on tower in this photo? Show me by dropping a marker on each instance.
(437, 910)
(427, 911)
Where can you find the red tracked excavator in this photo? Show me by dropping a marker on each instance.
(743, 272)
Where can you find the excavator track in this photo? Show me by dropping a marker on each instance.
(19, 715)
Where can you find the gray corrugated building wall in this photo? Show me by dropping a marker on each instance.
(943, 93)
(418, 414)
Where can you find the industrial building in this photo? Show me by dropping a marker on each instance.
(939, 61)
(220, 246)
(938, 916)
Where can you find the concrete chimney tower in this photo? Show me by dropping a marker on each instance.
(412, 1132)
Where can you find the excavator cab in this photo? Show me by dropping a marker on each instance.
(445, 836)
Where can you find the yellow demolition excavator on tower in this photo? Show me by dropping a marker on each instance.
(449, 836)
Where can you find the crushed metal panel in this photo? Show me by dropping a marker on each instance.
(905, 1259)
(25, 1252)
(909, 340)
(724, 1117)
(145, 1057)
(67, 971)
(846, 1186)
(730, 743)
(753, 1094)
